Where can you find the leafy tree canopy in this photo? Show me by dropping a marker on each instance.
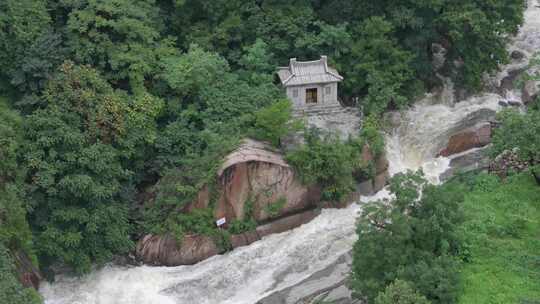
(413, 237)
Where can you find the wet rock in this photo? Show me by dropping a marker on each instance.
(530, 91)
(380, 181)
(258, 175)
(393, 118)
(515, 103)
(517, 55)
(287, 223)
(166, 251)
(28, 274)
(474, 137)
(381, 164)
(439, 56)
(244, 239)
(367, 155)
(472, 160)
(503, 103)
(366, 188)
(320, 287)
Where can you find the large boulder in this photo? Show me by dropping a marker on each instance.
(167, 251)
(530, 91)
(473, 137)
(256, 174)
(471, 160)
(380, 179)
(286, 223)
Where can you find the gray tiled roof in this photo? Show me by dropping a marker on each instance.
(306, 72)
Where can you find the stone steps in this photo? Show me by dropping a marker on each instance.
(325, 111)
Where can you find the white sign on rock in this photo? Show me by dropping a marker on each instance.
(221, 222)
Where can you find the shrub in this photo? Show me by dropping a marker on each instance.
(328, 162)
(275, 122)
(400, 292)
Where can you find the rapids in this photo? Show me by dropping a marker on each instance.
(248, 274)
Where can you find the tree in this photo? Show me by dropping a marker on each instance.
(521, 131)
(120, 37)
(400, 292)
(24, 25)
(412, 237)
(78, 152)
(275, 122)
(381, 68)
(15, 234)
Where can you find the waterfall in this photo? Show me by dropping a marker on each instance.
(278, 261)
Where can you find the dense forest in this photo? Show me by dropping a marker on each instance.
(100, 99)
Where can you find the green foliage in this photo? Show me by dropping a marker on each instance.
(241, 226)
(199, 221)
(501, 229)
(248, 223)
(274, 208)
(275, 122)
(11, 291)
(120, 37)
(400, 292)
(77, 150)
(413, 238)
(382, 71)
(468, 25)
(15, 232)
(21, 23)
(371, 134)
(328, 162)
(520, 131)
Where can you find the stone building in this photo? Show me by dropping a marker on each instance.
(310, 83)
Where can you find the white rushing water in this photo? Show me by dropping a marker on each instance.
(278, 261)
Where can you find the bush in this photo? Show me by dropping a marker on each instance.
(327, 162)
(520, 131)
(275, 122)
(400, 292)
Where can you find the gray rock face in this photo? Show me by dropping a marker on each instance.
(471, 160)
(325, 286)
(393, 118)
(517, 55)
(530, 91)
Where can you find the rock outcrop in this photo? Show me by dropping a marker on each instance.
(166, 250)
(381, 176)
(28, 274)
(256, 174)
(530, 92)
(471, 160)
(507, 161)
(470, 138)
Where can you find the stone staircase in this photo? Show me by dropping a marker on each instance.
(324, 111)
